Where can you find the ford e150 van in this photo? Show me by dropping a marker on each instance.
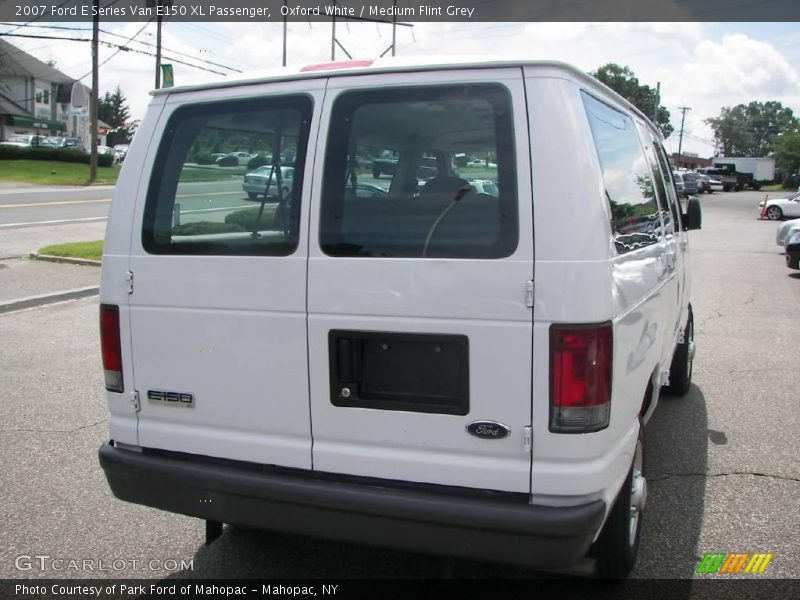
(407, 359)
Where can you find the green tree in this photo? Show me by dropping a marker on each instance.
(787, 155)
(750, 129)
(113, 109)
(624, 81)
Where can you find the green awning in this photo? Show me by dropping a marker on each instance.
(25, 121)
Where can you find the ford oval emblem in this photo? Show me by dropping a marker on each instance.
(488, 430)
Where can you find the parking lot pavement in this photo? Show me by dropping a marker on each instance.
(721, 462)
(23, 278)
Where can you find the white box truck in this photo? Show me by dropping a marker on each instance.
(761, 170)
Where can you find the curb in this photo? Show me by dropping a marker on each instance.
(64, 259)
(41, 300)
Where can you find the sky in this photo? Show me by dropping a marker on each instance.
(703, 66)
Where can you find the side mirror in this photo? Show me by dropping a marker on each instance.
(693, 217)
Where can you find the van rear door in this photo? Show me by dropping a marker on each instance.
(218, 302)
(419, 330)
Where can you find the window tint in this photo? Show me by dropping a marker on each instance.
(418, 172)
(629, 188)
(227, 179)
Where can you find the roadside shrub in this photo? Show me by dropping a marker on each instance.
(205, 227)
(204, 158)
(246, 218)
(259, 160)
(228, 161)
(69, 155)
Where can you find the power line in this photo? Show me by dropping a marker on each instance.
(40, 16)
(111, 45)
(172, 51)
(120, 49)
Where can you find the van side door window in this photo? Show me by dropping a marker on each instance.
(635, 221)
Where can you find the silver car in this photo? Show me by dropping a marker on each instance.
(785, 231)
(255, 183)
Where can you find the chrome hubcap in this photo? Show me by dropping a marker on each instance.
(638, 493)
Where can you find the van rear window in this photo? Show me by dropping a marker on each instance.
(421, 172)
(227, 178)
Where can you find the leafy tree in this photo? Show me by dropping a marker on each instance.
(749, 129)
(624, 81)
(787, 155)
(113, 109)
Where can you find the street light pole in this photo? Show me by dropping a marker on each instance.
(95, 93)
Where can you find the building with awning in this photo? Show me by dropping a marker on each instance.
(37, 98)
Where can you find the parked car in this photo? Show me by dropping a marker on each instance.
(121, 150)
(63, 142)
(785, 231)
(366, 190)
(484, 186)
(242, 158)
(708, 184)
(780, 208)
(255, 183)
(730, 181)
(475, 162)
(385, 370)
(793, 251)
(108, 150)
(685, 182)
(21, 140)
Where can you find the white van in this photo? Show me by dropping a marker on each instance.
(399, 361)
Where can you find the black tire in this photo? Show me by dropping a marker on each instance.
(376, 173)
(680, 371)
(618, 545)
(253, 196)
(774, 213)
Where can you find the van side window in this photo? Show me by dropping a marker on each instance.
(672, 197)
(635, 219)
(449, 151)
(227, 179)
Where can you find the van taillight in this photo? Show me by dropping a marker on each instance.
(111, 348)
(580, 377)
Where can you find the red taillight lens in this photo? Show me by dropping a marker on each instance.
(111, 347)
(580, 377)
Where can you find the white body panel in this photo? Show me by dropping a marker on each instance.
(248, 335)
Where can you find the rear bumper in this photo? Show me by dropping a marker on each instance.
(503, 529)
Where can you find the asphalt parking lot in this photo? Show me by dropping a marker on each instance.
(721, 462)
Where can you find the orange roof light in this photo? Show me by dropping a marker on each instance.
(338, 64)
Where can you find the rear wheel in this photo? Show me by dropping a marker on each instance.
(252, 195)
(680, 371)
(618, 544)
(774, 213)
(376, 173)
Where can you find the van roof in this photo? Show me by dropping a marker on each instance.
(348, 68)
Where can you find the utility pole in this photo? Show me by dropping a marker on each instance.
(284, 32)
(95, 94)
(657, 102)
(683, 110)
(157, 6)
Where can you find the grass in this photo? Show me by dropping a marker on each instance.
(88, 250)
(49, 172)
